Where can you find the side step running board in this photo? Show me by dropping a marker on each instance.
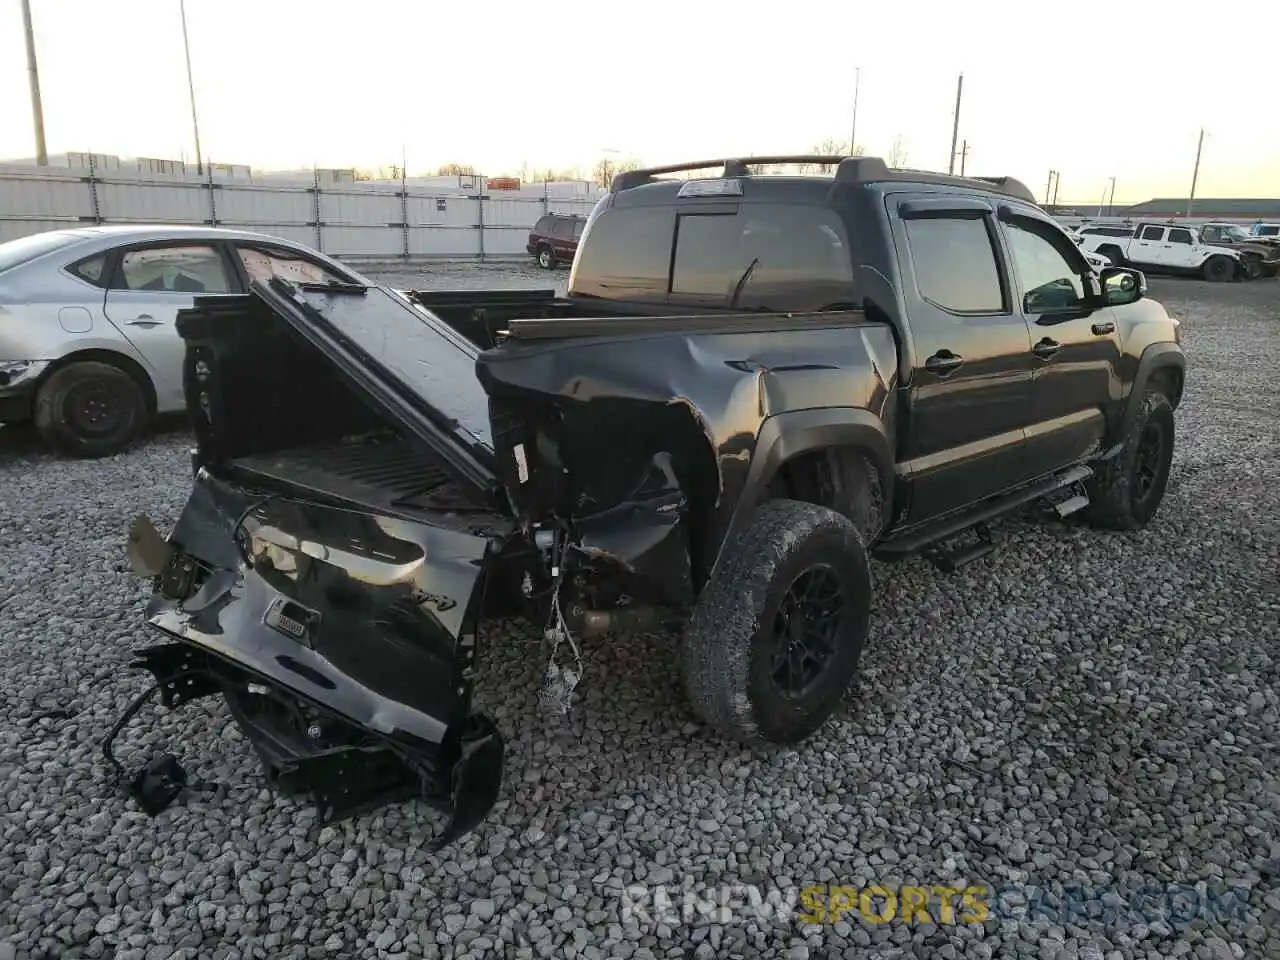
(949, 561)
(949, 527)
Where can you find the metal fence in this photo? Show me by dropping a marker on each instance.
(360, 220)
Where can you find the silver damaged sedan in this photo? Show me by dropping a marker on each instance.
(88, 346)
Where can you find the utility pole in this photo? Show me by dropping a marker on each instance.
(1048, 188)
(37, 111)
(1112, 203)
(853, 135)
(955, 125)
(964, 154)
(1195, 174)
(191, 87)
(1057, 182)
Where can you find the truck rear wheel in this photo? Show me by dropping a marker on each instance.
(775, 638)
(1219, 268)
(1127, 490)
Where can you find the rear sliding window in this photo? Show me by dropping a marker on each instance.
(628, 256)
(771, 255)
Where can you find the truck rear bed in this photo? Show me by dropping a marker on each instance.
(384, 473)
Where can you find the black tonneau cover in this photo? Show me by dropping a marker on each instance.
(409, 362)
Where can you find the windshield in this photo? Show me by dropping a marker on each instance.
(15, 252)
(1226, 231)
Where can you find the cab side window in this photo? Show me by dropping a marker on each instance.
(1050, 278)
(1180, 236)
(955, 264)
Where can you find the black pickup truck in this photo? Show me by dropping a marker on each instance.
(755, 383)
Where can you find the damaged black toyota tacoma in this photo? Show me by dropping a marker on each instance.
(757, 381)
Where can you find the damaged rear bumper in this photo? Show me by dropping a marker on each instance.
(342, 642)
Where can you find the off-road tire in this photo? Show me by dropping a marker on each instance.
(1218, 268)
(546, 258)
(726, 655)
(1116, 501)
(90, 409)
(1252, 268)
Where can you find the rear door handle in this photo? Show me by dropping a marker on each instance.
(943, 362)
(1103, 327)
(1046, 348)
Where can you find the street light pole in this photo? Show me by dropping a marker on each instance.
(955, 126)
(37, 111)
(191, 87)
(1195, 174)
(853, 135)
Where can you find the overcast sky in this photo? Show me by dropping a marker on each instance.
(1091, 89)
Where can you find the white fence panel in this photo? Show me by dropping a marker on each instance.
(265, 206)
(342, 241)
(505, 241)
(356, 209)
(55, 199)
(13, 229)
(443, 242)
(120, 201)
(360, 219)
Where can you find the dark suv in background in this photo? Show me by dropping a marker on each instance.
(554, 239)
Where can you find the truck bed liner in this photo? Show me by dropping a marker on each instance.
(387, 474)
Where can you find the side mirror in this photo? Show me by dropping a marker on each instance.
(1121, 285)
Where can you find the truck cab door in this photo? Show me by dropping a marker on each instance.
(1183, 251)
(969, 395)
(1147, 246)
(1074, 342)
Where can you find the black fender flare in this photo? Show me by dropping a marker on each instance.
(785, 436)
(1156, 357)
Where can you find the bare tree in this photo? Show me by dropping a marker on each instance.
(456, 170)
(897, 152)
(831, 147)
(605, 169)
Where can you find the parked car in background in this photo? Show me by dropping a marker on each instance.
(1265, 230)
(1261, 254)
(1165, 248)
(554, 239)
(88, 347)
(1095, 260)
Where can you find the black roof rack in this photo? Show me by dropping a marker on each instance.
(848, 170)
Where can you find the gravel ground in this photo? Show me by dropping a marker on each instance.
(1081, 709)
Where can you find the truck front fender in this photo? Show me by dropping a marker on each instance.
(1157, 360)
(785, 436)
